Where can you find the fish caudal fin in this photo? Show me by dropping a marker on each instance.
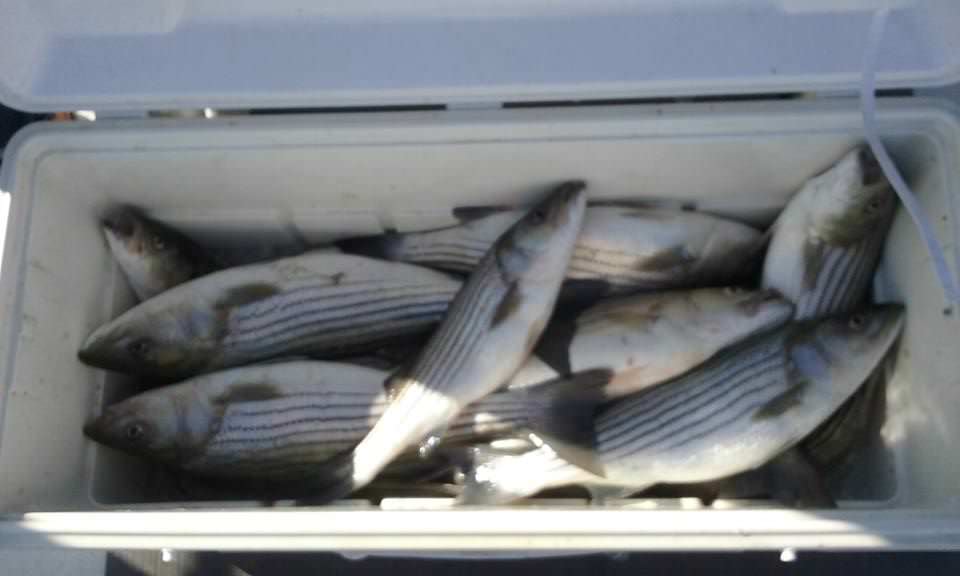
(564, 417)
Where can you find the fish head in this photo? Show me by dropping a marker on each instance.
(543, 239)
(145, 425)
(735, 313)
(166, 337)
(843, 351)
(851, 200)
(154, 255)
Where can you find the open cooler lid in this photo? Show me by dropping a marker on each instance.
(114, 55)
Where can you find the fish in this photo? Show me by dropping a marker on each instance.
(734, 413)
(798, 476)
(280, 421)
(645, 339)
(322, 305)
(153, 257)
(621, 249)
(488, 332)
(826, 244)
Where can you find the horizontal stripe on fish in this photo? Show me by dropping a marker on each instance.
(308, 296)
(643, 418)
(293, 319)
(797, 378)
(242, 315)
(703, 388)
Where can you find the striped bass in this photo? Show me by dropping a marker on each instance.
(152, 257)
(646, 339)
(487, 334)
(621, 248)
(797, 477)
(322, 304)
(280, 420)
(828, 239)
(734, 413)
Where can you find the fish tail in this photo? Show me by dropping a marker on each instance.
(562, 415)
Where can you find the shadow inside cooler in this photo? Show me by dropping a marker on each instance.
(241, 187)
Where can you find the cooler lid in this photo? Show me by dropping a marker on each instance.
(123, 55)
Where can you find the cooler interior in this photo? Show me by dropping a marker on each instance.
(281, 183)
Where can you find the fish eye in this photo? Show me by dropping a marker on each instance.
(857, 321)
(134, 432)
(538, 216)
(158, 243)
(140, 348)
(873, 205)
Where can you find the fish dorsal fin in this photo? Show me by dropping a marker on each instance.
(582, 292)
(465, 214)
(248, 294)
(252, 392)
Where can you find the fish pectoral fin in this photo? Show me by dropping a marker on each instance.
(553, 347)
(814, 252)
(788, 399)
(795, 481)
(509, 304)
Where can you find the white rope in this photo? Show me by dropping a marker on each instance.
(868, 103)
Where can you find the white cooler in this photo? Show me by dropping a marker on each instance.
(275, 179)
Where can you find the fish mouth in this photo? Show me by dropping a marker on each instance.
(120, 222)
(562, 201)
(94, 431)
(96, 351)
(568, 190)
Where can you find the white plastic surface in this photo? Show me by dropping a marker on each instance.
(274, 180)
(107, 55)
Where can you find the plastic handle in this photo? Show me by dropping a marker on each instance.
(868, 103)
